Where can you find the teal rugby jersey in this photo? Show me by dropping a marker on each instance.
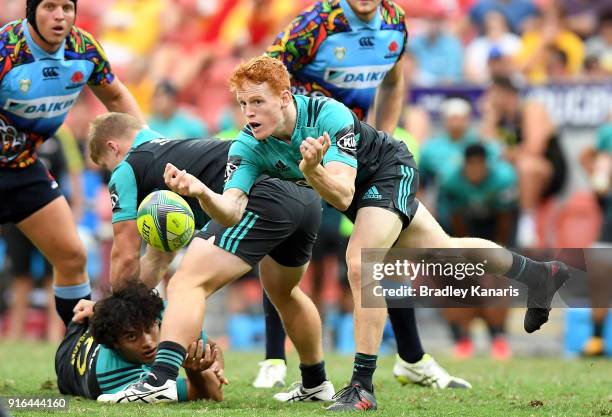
(353, 143)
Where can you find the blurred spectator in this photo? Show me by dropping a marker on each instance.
(169, 119)
(496, 38)
(531, 144)
(556, 64)
(599, 47)
(140, 83)
(438, 53)
(482, 197)
(582, 15)
(232, 121)
(501, 65)
(131, 29)
(11, 10)
(517, 13)
(446, 150)
(482, 201)
(597, 162)
(534, 57)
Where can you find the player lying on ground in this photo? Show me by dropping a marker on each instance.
(346, 161)
(109, 344)
(279, 228)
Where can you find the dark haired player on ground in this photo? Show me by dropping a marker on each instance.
(109, 344)
(45, 62)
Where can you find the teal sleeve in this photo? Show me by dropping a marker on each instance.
(452, 190)
(241, 171)
(336, 119)
(181, 388)
(197, 129)
(425, 166)
(604, 138)
(114, 373)
(507, 186)
(123, 193)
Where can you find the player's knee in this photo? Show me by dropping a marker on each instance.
(72, 262)
(278, 295)
(354, 271)
(182, 283)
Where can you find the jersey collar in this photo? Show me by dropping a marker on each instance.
(355, 22)
(145, 135)
(295, 137)
(37, 51)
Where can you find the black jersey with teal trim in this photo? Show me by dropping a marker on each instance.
(142, 171)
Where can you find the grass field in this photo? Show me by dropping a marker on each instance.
(521, 387)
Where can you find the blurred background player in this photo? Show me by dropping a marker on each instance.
(45, 63)
(597, 161)
(480, 194)
(62, 157)
(357, 58)
(531, 145)
(169, 118)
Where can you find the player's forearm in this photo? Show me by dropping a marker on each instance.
(153, 266)
(124, 267)
(336, 192)
(224, 210)
(389, 102)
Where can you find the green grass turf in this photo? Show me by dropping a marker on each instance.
(520, 387)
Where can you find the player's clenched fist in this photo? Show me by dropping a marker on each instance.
(313, 151)
(181, 182)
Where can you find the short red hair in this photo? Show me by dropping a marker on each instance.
(260, 70)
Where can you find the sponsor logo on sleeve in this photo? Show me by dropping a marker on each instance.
(232, 165)
(346, 141)
(114, 196)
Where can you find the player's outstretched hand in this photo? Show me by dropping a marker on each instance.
(83, 310)
(219, 372)
(199, 358)
(181, 182)
(313, 151)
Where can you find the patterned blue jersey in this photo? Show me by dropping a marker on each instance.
(37, 89)
(329, 51)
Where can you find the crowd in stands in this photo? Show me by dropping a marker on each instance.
(175, 55)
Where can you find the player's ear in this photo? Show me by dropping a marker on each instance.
(285, 98)
(112, 146)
